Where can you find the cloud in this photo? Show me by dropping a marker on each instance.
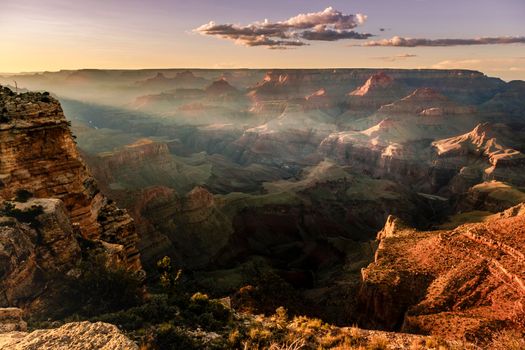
(487, 65)
(413, 42)
(333, 35)
(394, 58)
(327, 25)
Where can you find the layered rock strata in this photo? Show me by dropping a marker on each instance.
(462, 283)
(39, 155)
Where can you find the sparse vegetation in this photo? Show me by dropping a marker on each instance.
(377, 342)
(96, 289)
(508, 340)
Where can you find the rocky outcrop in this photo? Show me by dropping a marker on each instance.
(427, 102)
(38, 154)
(46, 246)
(491, 196)
(71, 336)
(50, 204)
(293, 137)
(380, 89)
(181, 79)
(11, 320)
(220, 87)
(488, 148)
(463, 283)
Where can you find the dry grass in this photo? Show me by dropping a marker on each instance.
(377, 342)
(296, 344)
(508, 340)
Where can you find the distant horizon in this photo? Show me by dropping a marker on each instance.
(5, 74)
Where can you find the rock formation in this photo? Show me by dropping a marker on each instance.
(425, 101)
(71, 336)
(39, 159)
(380, 89)
(181, 79)
(11, 320)
(220, 87)
(467, 282)
(489, 148)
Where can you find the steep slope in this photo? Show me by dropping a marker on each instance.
(39, 158)
(380, 89)
(508, 103)
(292, 137)
(492, 151)
(425, 101)
(39, 155)
(467, 282)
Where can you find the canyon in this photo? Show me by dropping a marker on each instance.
(389, 198)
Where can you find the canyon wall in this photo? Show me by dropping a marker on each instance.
(51, 203)
(462, 283)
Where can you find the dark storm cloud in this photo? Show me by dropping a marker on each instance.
(333, 35)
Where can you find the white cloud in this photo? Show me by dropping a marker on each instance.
(413, 42)
(327, 25)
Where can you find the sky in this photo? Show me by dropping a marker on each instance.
(49, 35)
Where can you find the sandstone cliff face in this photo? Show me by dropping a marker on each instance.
(41, 237)
(38, 154)
(29, 252)
(466, 282)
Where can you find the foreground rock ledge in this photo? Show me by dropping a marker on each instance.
(71, 336)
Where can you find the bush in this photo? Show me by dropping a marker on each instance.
(209, 314)
(169, 337)
(168, 279)
(98, 290)
(157, 310)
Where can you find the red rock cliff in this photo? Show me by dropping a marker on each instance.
(38, 153)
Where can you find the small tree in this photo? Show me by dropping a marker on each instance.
(167, 278)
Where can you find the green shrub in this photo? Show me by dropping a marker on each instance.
(98, 290)
(169, 337)
(157, 310)
(168, 279)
